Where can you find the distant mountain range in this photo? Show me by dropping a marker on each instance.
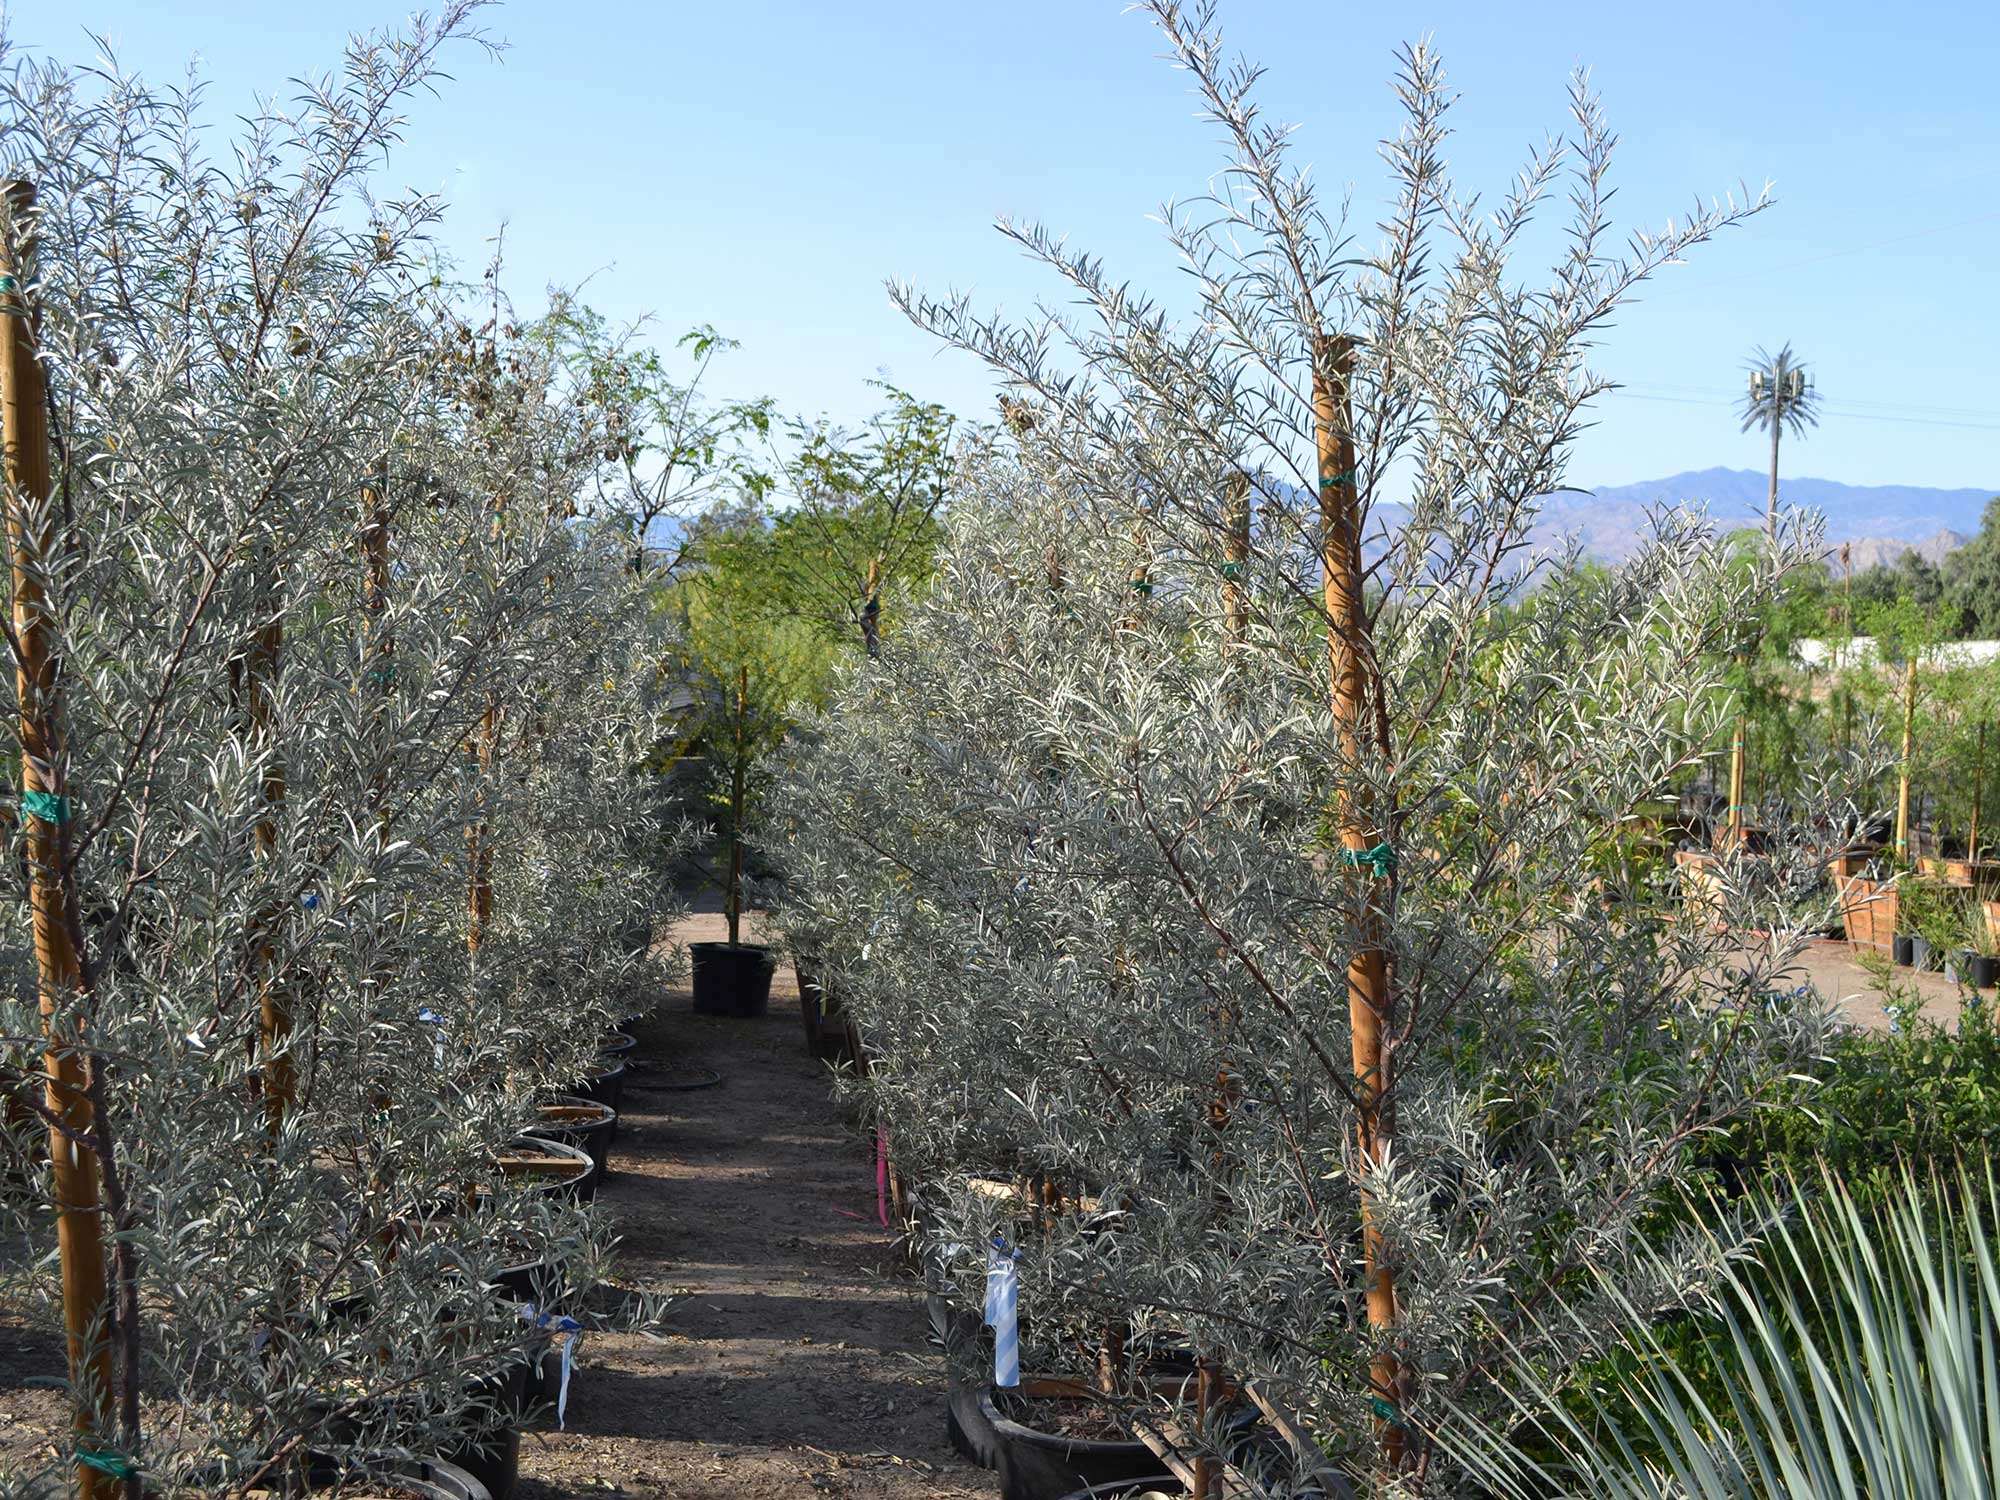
(1879, 522)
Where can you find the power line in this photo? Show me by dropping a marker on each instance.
(1832, 409)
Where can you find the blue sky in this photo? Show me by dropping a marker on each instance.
(763, 165)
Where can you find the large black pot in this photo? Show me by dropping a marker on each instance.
(605, 1085)
(433, 1478)
(617, 1044)
(1903, 949)
(485, 1452)
(579, 1122)
(967, 1426)
(1037, 1465)
(732, 980)
(552, 1166)
(1983, 971)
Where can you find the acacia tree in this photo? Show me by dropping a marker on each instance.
(861, 518)
(272, 603)
(1267, 899)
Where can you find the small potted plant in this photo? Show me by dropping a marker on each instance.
(1979, 964)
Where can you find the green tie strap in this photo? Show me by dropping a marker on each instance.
(48, 806)
(1141, 586)
(1331, 480)
(1232, 570)
(1381, 860)
(117, 1465)
(8, 284)
(1386, 1411)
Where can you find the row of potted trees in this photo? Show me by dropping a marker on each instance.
(333, 680)
(1277, 1025)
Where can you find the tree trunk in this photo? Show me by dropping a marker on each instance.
(1356, 696)
(479, 833)
(1903, 776)
(1978, 785)
(732, 904)
(58, 926)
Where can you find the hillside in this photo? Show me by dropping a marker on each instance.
(1878, 521)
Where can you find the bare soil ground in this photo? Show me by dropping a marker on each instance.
(796, 1365)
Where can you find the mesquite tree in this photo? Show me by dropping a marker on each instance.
(262, 605)
(1243, 848)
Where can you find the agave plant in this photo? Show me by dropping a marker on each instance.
(1856, 1354)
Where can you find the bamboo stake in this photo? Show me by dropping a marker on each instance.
(738, 776)
(1235, 557)
(1978, 781)
(1903, 776)
(1355, 691)
(261, 663)
(478, 840)
(58, 927)
(1734, 838)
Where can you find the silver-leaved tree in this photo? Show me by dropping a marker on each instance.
(1245, 867)
(328, 696)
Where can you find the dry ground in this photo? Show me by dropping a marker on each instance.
(796, 1365)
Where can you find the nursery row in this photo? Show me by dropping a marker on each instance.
(335, 866)
(1276, 999)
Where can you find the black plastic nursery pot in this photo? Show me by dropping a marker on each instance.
(1903, 949)
(605, 1084)
(1152, 1487)
(617, 1044)
(579, 1122)
(1044, 1465)
(486, 1454)
(548, 1166)
(1983, 971)
(732, 980)
(1922, 954)
(425, 1478)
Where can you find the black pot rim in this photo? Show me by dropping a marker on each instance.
(1034, 1437)
(719, 945)
(575, 1101)
(575, 1154)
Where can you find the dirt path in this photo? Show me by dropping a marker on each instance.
(796, 1364)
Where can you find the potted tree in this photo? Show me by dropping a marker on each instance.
(759, 666)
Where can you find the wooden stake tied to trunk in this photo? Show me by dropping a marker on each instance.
(1909, 736)
(58, 928)
(1355, 691)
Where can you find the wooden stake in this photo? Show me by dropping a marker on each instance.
(1978, 781)
(478, 841)
(1903, 776)
(1235, 556)
(261, 663)
(732, 901)
(58, 926)
(1355, 691)
(1734, 838)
